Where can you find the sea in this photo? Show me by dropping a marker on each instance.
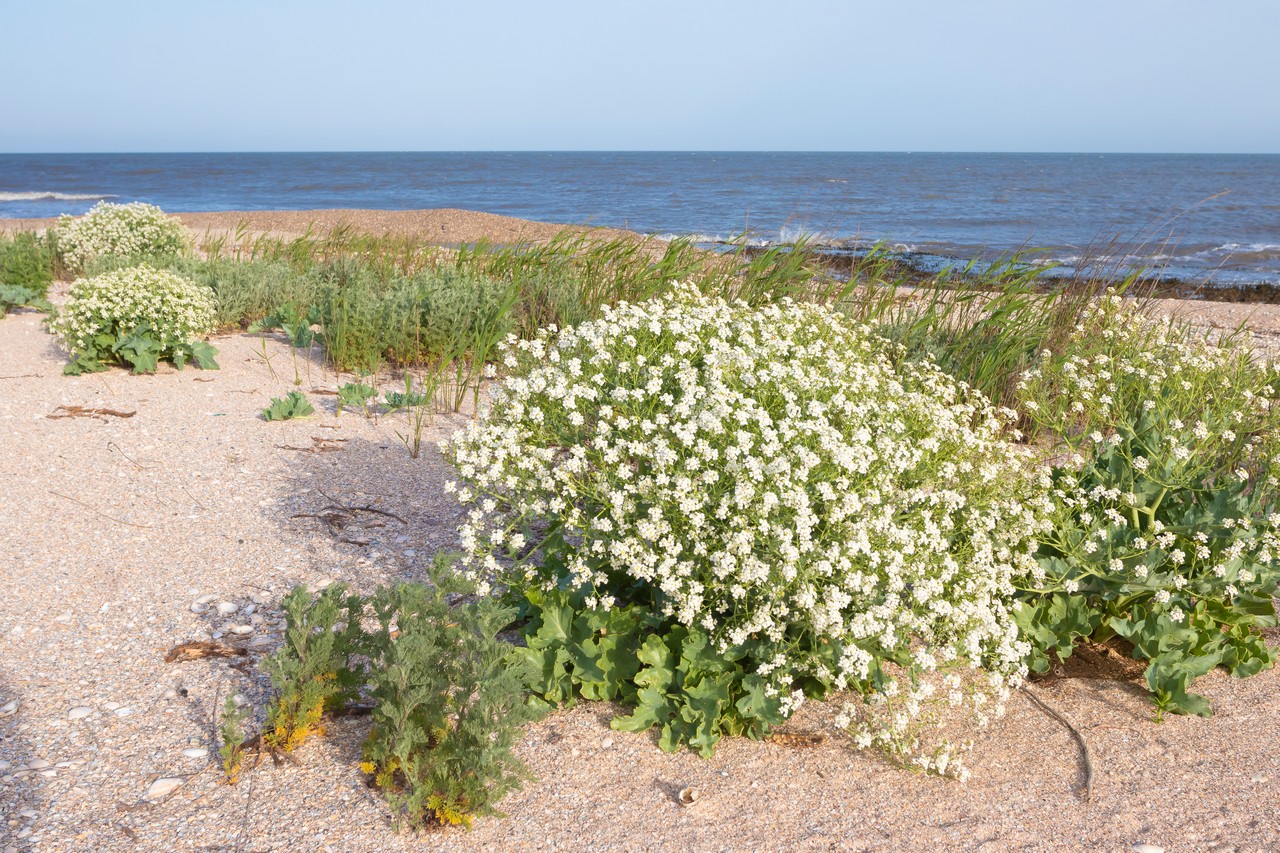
(1213, 219)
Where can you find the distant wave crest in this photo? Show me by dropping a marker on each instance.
(52, 196)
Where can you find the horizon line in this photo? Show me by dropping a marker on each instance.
(643, 151)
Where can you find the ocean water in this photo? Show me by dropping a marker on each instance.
(1200, 217)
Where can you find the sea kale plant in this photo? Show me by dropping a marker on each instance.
(136, 316)
(709, 512)
(122, 230)
(1165, 532)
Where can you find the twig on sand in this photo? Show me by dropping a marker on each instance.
(84, 412)
(98, 511)
(22, 376)
(112, 447)
(338, 516)
(199, 649)
(1084, 746)
(319, 444)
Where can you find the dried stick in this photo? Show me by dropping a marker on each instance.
(1084, 746)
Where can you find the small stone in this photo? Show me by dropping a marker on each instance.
(259, 642)
(124, 712)
(9, 708)
(1142, 847)
(242, 629)
(197, 607)
(49, 774)
(29, 813)
(110, 706)
(79, 712)
(64, 617)
(1259, 777)
(104, 608)
(205, 599)
(575, 752)
(171, 694)
(324, 583)
(5, 764)
(162, 787)
(239, 700)
(37, 764)
(409, 552)
(195, 752)
(259, 598)
(606, 743)
(249, 609)
(226, 608)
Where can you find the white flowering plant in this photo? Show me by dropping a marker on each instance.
(136, 316)
(121, 230)
(1166, 532)
(710, 512)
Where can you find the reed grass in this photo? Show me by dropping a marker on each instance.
(399, 301)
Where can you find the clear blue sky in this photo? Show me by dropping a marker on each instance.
(889, 75)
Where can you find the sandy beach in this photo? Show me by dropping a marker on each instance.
(124, 530)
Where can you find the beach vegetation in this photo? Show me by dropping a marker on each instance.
(232, 732)
(355, 395)
(28, 261)
(136, 316)
(426, 660)
(711, 511)
(293, 405)
(12, 296)
(134, 230)
(1165, 529)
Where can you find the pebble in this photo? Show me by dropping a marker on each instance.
(162, 787)
(197, 607)
(259, 598)
(1142, 847)
(9, 708)
(250, 609)
(242, 629)
(205, 599)
(29, 813)
(606, 743)
(171, 694)
(239, 700)
(1259, 777)
(37, 764)
(124, 712)
(110, 706)
(226, 608)
(195, 752)
(64, 616)
(79, 712)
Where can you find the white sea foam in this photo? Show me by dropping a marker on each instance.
(52, 196)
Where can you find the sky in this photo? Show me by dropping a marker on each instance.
(821, 75)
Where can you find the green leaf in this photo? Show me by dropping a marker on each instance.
(203, 353)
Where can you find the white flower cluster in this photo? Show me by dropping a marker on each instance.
(123, 230)
(761, 474)
(1124, 364)
(177, 309)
